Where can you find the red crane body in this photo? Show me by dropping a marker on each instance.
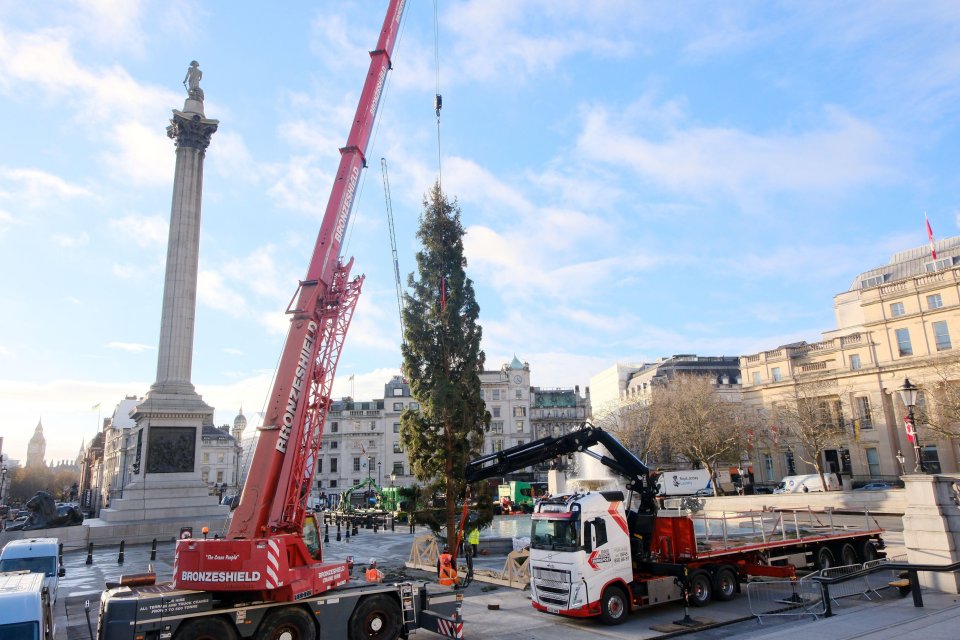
(264, 549)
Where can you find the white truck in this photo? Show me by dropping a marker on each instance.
(26, 609)
(37, 555)
(689, 482)
(807, 482)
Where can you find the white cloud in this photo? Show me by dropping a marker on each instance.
(144, 231)
(214, 292)
(145, 155)
(231, 351)
(126, 271)
(36, 188)
(132, 347)
(71, 241)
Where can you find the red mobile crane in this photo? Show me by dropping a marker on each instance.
(264, 548)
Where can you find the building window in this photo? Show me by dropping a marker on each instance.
(496, 426)
(496, 412)
(319, 465)
(776, 374)
(873, 462)
(931, 458)
(398, 391)
(205, 476)
(938, 265)
(903, 342)
(855, 361)
(220, 458)
(768, 467)
(934, 301)
(862, 408)
(334, 444)
(496, 394)
(397, 469)
(497, 444)
(398, 406)
(396, 448)
(333, 484)
(519, 426)
(519, 394)
(206, 458)
(373, 425)
(896, 309)
(219, 477)
(942, 335)
(356, 464)
(791, 463)
(396, 427)
(333, 466)
(519, 412)
(415, 406)
(335, 427)
(756, 377)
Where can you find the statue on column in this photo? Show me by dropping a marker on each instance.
(191, 81)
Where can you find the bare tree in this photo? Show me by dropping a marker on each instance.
(810, 417)
(691, 418)
(629, 421)
(938, 406)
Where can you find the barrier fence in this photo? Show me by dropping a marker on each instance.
(785, 598)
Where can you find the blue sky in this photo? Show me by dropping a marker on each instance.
(636, 179)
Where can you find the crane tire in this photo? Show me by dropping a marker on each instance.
(377, 617)
(614, 605)
(212, 628)
(287, 623)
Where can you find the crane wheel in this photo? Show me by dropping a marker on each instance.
(614, 606)
(288, 623)
(377, 617)
(212, 628)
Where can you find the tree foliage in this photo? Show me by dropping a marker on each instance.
(692, 419)
(442, 361)
(630, 421)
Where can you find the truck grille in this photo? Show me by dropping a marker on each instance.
(552, 587)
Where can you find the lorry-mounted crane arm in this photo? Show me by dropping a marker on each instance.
(621, 460)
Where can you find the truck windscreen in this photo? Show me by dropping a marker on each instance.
(556, 534)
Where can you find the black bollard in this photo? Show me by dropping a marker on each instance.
(338, 532)
(153, 550)
(60, 555)
(90, 553)
(393, 522)
(348, 533)
(375, 526)
(326, 533)
(354, 528)
(120, 557)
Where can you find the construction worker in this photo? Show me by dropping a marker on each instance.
(446, 571)
(471, 548)
(374, 574)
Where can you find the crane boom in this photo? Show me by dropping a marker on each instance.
(264, 548)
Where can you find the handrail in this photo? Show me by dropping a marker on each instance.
(911, 569)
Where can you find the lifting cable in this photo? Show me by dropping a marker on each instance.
(437, 99)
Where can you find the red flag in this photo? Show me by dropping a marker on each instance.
(443, 294)
(910, 429)
(933, 249)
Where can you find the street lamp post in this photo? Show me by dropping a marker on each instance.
(901, 460)
(3, 481)
(378, 473)
(909, 393)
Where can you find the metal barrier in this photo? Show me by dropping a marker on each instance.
(855, 586)
(785, 598)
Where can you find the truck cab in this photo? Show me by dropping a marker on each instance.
(26, 609)
(38, 555)
(579, 548)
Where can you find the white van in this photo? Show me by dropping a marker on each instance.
(807, 482)
(38, 555)
(26, 610)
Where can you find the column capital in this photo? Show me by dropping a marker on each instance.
(191, 130)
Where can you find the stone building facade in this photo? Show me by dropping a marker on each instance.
(896, 322)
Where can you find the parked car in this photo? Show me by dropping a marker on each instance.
(875, 486)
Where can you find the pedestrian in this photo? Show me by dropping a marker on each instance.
(472, 548)
(373, 574)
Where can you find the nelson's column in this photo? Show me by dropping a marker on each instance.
(162, 458)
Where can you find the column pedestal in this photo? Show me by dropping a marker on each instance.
(931, 527)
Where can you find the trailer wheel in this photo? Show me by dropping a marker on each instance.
(870, 551)
(849, 555)
(701, 589)
(614, 606)
(288, 623)
(725, 585)
(206, 629)
(377, 617)
(823, 558)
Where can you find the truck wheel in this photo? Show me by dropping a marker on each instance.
(701, 590)
(870, 551)
(377, 617)
(725, 585)
(289, 623)
(823, 558)
(206, 629)
(849, 555)
(614, 606)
